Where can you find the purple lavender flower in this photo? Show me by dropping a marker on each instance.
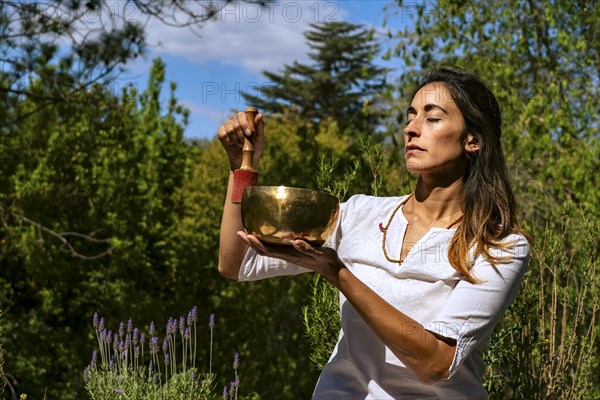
(109, 337)
(130, 326)
(170, 324)
(194, 314)
(154, 379)
(86, 374)
(119, 392)
(231, 389)
(211, 322)
(189, 318)
(115, 342)
(181, 325)
(186, 334)
(121, 330)
(152, 329)
(173, 330)
(95, 320)
(101, 324)
(94, 359)
(225, 396)
(154, 344)
(193, 375)
(103, 336)
(137, 352)
(136, 333)
(111, 363)
(165, 346)
(167, 359)
(142, 339)
(236, 361)
(237, 381)
(127, 341)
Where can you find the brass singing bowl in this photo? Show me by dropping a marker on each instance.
(280, 214)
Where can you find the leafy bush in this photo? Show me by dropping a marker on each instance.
(546, 347)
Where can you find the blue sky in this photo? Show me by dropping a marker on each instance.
(212, 65)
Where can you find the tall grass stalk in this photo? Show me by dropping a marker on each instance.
(3, 378)
(211, 325)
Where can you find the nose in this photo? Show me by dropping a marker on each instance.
(413, 128)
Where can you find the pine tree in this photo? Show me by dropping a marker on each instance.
(342, 83)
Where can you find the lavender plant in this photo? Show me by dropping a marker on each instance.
(121, 368)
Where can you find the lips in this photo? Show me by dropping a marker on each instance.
(413, 147)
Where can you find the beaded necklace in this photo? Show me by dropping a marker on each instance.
(384, 229)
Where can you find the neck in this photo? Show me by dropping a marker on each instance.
(437, 201)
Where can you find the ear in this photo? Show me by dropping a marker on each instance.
(472, 144)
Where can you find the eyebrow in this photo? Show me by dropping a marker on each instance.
(428, 107)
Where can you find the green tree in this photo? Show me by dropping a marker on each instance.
(542, 62)
(88, 180)
(72, 45)
(343, 82)
(87, 216)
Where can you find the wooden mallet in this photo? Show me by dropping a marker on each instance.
(246, 175)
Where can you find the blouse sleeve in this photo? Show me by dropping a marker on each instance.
(473, 309)
(256, 267)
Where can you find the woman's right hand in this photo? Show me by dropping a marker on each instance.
(232, 134)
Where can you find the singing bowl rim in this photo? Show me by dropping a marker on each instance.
(262, 189)
(331, 201)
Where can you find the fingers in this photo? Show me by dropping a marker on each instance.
(230, 133)
(253, 242)
(243, 124)
(299, 249)
(306, 249)
(236, 129)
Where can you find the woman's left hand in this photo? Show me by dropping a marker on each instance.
(322, 259)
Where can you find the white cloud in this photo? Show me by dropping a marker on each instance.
(214, 114)
(204, 120)
(247, 36)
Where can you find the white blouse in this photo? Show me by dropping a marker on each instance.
(425, 287)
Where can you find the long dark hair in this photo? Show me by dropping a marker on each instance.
(488, 203)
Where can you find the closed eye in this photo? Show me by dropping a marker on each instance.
(433, 120)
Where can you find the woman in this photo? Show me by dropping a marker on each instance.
(423, 278)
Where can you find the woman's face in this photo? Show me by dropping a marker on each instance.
(432, 136)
